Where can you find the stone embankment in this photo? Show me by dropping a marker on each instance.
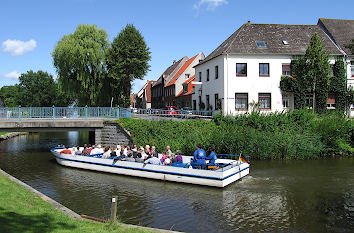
(11, 135)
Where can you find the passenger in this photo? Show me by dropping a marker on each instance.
(125, 151)
(90, 147)
(143, 154)
(147, 150)
(86, 151)
(106, 153)
(179, 157)
(130, 158)
(199, 157)
(78, 151)
(154, 160)
(168, 150)
(163, 158)
(135, 148)
(96, 150)
(212, 157)
(100, 149)
(173, 158)
(113, 153)
(154, 151)
(139, 158)
(66, 151)
(118, 150)
(167, 160)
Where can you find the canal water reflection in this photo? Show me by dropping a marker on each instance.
(296, 196)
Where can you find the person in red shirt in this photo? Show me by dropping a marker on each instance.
(66, 151)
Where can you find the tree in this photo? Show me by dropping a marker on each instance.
(79, 59)
(127, 60)
(338, 85)
(10, 94)
(312, 73)
(37, 89)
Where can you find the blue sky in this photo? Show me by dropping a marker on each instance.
(29, 30)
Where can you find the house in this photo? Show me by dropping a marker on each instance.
(175, 86)
(244, 72)
(184, 97)
(144, 95)
(342, 34)
(157, 89)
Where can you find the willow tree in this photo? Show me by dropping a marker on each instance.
(79, 59)
(127, 60)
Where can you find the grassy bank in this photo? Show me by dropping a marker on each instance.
(296, 135)
(23, 211)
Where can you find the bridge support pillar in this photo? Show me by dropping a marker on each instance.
(112, 134)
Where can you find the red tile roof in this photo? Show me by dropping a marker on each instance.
(183, 68)
(180, 93)
(190, 79)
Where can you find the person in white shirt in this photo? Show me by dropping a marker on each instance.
(107, 153)
(97, 150)
(167, 160)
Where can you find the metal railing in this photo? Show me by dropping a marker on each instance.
(63, 113)
(183, 114)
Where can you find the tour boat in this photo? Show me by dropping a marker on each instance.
(227, 171)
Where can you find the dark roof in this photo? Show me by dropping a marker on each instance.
(340, 30)
(298, 37)
(169, 70)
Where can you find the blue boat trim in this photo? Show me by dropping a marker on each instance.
(149, 170)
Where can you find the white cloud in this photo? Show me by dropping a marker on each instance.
(210, 4)
(12, 75)
(18, 47)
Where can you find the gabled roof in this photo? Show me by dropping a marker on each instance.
(296, 37)
(181, 70)
(340, 30)
(169, 70)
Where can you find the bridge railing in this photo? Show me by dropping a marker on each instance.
(183, 114)
(62, 113)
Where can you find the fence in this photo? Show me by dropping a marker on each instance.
(62, 113)
(183, 114)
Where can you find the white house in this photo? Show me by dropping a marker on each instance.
(247, 67)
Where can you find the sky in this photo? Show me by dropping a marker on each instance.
(29, 30)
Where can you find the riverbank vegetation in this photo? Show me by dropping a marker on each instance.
(301, 134)
(23, 211)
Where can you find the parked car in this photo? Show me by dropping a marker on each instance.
(187, 110)
(169, 110)
(133, 110)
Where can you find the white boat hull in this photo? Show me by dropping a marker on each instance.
(217, 178)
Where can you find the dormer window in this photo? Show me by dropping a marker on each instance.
(285, 42)
(261, 44)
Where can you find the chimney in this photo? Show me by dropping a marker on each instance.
(174, 61)
(249, 22)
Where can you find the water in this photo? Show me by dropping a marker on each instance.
(277, 196)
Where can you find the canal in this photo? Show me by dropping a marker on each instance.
(295, 196)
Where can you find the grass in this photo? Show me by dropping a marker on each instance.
(3, 133)
(23, 211)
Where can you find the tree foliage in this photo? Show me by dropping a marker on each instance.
(79, 59)
(36, 89)
(10, 94)
(338, 86)
(311, 72)
(127, 60)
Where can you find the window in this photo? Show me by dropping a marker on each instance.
(200, 76)
(264, 69)
(286, 69)
(241, 101)
(216, 72)
(264, 101)
(352, 68)
(207, 75)
(285, 42)
(185, 88)
(216, 97)
(261, 44)
(309, 100)
(194, 105)
(207, 102)
(200, 102)
(331, 101)
(286, 101)
(241, 69)
(187, 76)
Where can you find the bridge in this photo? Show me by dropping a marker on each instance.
(99, 121)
